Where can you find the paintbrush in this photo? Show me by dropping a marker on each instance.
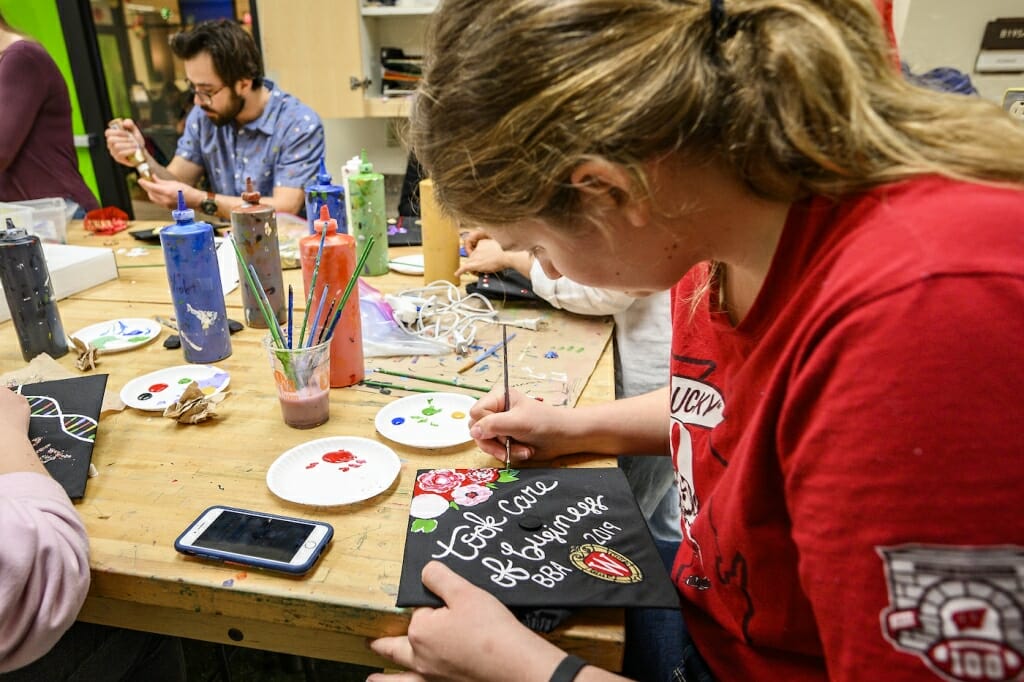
(504, 358)
(431, 380)
(489, 352)
(394, 387)
(312, 283)
(351, 285)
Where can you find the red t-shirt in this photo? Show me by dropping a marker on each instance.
(850, 455)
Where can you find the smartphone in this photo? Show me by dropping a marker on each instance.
(278, 543)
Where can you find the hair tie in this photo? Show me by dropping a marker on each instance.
(717, 13)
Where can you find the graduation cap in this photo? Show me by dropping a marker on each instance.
(64, 416)
(551, 538)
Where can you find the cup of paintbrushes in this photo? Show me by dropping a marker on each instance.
(303, 379)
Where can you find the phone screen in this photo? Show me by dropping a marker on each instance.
(257, 536)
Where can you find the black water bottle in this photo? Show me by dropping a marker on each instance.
(30, 298)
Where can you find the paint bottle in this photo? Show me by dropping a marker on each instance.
(440, 239)
(324, 193)
(254, 228)
(369, 217)
(350, 168)
(137, 158)
(337, 264)
(196, 291)
(30, 297)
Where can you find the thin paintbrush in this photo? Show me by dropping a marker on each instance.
(432, 380)
(291, 307)
(256, 289)
(328, 316)
(469, 364)
(261, 294)
(394, 387)
(316, 318)
(504, 359)
(312, 282)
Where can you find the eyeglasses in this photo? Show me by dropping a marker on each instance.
(204, 97)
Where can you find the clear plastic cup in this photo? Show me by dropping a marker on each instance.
(303, 379)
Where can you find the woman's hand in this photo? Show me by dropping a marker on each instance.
(539, 432)
(472, 637)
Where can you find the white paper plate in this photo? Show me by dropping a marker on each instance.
(332, 471)
(156, 390)
(427, 420)
(407, 265)
(114, 336)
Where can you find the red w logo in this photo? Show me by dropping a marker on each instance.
(969, 618)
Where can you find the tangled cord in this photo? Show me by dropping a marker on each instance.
(441, 312)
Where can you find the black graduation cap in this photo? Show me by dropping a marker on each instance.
(62, 426)
(552, 538)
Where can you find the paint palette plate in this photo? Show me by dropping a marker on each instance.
(427, 420)
(332, 471)
(114, 336)
(155, 391)
(407, 265)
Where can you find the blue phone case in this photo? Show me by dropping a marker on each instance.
(256, 562)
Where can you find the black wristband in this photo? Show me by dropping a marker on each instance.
(568, 669)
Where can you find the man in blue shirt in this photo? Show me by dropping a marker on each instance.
(242, 126)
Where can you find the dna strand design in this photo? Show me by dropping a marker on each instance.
(75, 425)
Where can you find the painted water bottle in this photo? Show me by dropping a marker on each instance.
(324, 193)
(194, 278)
(334, 266)
(30, 298)
(369, 217)
(440, 239)
(350, 168)
(254, 229)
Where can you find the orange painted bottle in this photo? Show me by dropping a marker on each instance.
(337, 264)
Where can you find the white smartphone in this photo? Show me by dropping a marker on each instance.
(279, 543)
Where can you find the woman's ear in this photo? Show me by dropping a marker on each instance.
(609, 187)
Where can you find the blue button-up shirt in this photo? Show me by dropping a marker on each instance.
(281, 148)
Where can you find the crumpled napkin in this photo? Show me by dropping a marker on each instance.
(87, 354)
(193, 406)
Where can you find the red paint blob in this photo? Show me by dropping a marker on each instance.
(311, 465)
(156, 388)
(338, 456)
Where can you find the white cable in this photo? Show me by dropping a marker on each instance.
(440, 311)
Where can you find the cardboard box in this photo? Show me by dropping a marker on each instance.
(73, 269)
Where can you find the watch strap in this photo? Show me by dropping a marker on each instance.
(568, 669)
(209, 204)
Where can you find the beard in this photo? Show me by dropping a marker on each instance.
(222, 118)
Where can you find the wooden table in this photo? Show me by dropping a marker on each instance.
(156, 475)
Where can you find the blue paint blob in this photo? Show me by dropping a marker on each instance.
(398, 421)
(551, 355)
(229, 582)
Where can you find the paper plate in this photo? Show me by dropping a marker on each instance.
(427, 420)
(332, 471)
(156, 390)
(407, 265)
(115, 336)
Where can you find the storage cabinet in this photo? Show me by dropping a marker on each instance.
(327, 52)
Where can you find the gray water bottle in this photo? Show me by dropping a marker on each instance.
(30, 298)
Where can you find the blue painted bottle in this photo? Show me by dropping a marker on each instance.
(324, 193)
(196, 291)
(30, 298)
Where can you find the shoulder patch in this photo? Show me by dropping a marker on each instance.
(959, 609)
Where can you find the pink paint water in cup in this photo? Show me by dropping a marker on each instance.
(303, 378)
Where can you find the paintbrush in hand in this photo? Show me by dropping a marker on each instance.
(504, 356)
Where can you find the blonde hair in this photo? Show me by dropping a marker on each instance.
(799, 97)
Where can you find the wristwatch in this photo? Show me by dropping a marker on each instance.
(209, 204)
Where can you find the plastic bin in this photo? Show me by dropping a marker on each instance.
(49, 219)
(21, 215)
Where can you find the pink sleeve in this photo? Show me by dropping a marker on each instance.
(44, 566)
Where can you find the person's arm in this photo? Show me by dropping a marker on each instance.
(44, 565)
(631, 426)
(902, 443)
(21, 102)
(577, 298)
(472, 637)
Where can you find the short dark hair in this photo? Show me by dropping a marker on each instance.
(233, 51)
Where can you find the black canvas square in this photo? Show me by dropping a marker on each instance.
(64, 418)
(554, 538)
